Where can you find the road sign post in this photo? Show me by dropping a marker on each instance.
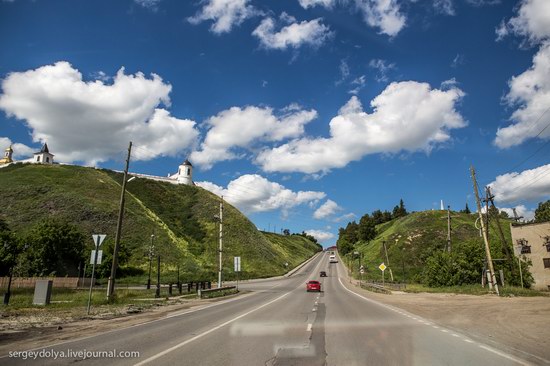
(237, 263)
(383, 269)
(98, 239)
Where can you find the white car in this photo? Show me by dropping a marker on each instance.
(332, 259)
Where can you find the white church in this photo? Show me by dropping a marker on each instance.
(183, 176)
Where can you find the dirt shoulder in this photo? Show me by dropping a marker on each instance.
(25, 332)
(517, 325)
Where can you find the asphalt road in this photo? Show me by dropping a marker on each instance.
(279, 323)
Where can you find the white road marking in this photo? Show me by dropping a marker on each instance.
(521, 362)
(179, 345)
(444, 330)
(468, 340)
(455, 335)
(309, 327)
(435, 327)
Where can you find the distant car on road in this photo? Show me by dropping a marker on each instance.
(313, 286)
(323, 274)
(332, 259)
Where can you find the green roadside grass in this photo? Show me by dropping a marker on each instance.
(475, 290)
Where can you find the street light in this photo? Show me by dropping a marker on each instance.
(151, 249)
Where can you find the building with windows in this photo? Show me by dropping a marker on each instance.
(43, 156)
(8, 156)
(532, 241)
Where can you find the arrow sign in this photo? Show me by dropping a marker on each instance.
(382, 267)
(98, 239)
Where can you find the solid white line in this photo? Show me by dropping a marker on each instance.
(521, 362)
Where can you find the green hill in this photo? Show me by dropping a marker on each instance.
(413, 239)
(182, 218)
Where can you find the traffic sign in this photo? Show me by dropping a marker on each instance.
(98, 239)
(237, 262)
(99, 256)
(382, 267)
(362, 271)
(362, 268)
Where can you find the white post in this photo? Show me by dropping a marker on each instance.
(221, 245)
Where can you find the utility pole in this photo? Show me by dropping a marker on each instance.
(220, 250)
(151, 249)
(157, 293)
(387, 259)
(449, 229)
(505, 248)
(111, 283)
(483, 230)
(516, 217)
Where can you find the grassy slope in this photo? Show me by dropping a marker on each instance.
(411, 239)
(181, 217)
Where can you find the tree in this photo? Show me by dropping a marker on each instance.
(399, 211)
(378, 217)
(9, 248)
(542, 213)
(366, 230)
(286, 232)
(466, 209)
(55, 247)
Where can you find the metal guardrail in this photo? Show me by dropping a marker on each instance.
(207, 291)
(390, 285)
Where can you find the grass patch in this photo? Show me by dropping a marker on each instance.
(475, 290)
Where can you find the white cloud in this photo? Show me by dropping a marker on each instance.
(344, 72)
(521, 210)
(93, 121)
(529, 185)
(312, 33)
(383, 69)
(20, 151)
(345, 217)
(326, 209)
(312, 3)
(148, 4)
(225, 14)
(254, 193)
(359, 84)
(382, 14)
(407, 116)
(241, 127)
(531, 91)
(444, 7)
(532, 21)
(321, 236)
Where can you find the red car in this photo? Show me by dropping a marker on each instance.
(313, 286)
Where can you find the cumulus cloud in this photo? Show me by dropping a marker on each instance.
(326, 209)
(225, 14)
(383, 14)
(294, 35)
(531, 92)
(407, 116)
(321, 236)
(92, 121)
(254, 193)
(521, 210)
(531, 22)
(240, 127)
(20, 151)
(529, 185)
(312, 3)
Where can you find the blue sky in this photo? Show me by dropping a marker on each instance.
(305, 114)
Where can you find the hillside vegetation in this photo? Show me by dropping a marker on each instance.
(416, 250)
(182, 219)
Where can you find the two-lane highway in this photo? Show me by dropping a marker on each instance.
(279, 323)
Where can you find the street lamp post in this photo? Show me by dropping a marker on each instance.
(151, 249)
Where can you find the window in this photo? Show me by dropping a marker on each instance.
(525, 249)
(188, 171)
(38, 158)
(546, 262)
(47, 159)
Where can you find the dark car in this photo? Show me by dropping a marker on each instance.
(323, 274)
(313, 286)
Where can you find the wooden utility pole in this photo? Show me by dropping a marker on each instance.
(220, 249)
(111, 282)
(516, 217)
(449, 229)
(505, 248)
(483, 230)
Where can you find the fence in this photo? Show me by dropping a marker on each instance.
(29, 282)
